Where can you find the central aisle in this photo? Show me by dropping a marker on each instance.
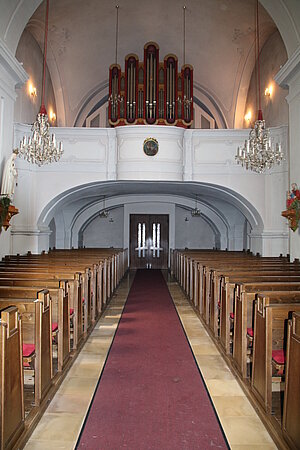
(151, 394)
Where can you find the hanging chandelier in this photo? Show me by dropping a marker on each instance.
(115, 98)
(41, 147)
(104, 213)
(196, 211)
(258, 152)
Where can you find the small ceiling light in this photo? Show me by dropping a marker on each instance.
(269, 91)
(248, 116)
(52, 116)
(32, 90)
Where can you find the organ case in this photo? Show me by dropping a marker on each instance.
(151, 92)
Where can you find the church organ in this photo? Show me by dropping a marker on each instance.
(151, 92)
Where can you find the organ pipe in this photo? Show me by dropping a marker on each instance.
(151, 92)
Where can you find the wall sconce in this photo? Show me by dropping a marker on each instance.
(32, 90)
(52, 116)
(269, 91)
(186, 219)
(248, 116)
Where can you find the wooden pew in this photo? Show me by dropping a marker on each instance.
(225, 294)
(205, 284)
(270, 321)
(59, 292)
(214, 286)
(62, 269)
(79, 289)
(291, 408)
(226, 299)
(35, 309)
(75, 289)
(188, 258)
(12, 414)
(20, 283)
(244, 297)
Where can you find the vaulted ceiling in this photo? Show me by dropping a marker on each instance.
(219, 44)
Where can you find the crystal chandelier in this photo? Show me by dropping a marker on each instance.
(41, 147)
(258, 152)
(116, 98)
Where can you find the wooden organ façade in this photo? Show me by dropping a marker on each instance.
(151, 92)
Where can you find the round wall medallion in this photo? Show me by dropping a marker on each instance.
(150, 146)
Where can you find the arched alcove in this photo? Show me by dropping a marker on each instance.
(224, 214)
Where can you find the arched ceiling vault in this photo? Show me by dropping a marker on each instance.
(219, 38)
(90, 196)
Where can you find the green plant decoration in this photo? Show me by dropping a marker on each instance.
(4, 207)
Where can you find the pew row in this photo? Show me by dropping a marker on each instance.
(224, 287)
(42, 293)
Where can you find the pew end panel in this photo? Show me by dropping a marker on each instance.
(43, 345)
(270, 326)
(291, 408)
(12, 420)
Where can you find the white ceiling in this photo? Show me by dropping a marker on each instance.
(219, 43)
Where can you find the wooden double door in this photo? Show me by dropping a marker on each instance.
(149, 241)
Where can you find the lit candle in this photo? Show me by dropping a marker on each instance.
(248, 146)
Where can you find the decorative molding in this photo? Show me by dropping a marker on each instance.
(289, 71)
(12, 66)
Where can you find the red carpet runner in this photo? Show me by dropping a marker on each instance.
(151, 394)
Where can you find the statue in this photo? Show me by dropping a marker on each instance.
(9, 177)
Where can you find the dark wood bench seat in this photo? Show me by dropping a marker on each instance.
(291, 408)
(60, 321)
(35, 309)
(230, 287)
(271, 315)
(244, 297)
(12, 423)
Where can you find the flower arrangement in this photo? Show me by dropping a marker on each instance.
(292, 212)
(4, 205)
(7, 211)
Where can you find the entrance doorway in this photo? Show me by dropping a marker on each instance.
(149, 241)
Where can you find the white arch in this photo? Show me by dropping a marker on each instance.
(210, 214)
(285, 13)
(92, 192)
(217, 204)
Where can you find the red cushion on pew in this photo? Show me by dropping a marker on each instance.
(71, 311)
(83, 300)
(26, 364)
(232, 315)
(219, 304)
(28, 350)
(54, 326)
(250, 332)
(278, 356)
